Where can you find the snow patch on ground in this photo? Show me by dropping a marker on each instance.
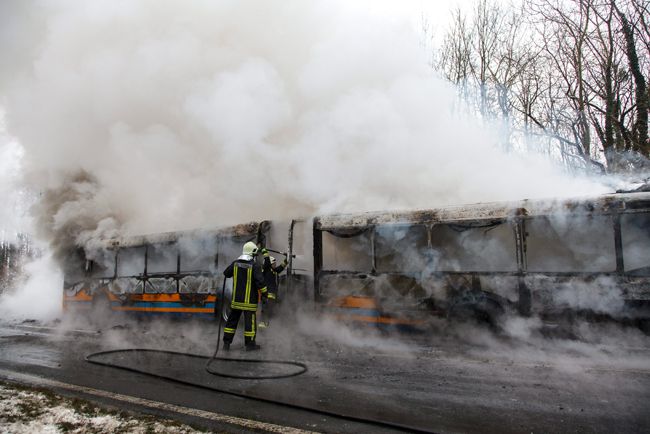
(29, 411)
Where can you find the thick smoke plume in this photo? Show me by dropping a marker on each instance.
(160, 115)
(72, 215)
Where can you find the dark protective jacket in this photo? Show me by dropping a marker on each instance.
(272, 277)
(247, 280)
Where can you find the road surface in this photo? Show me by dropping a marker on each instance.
(459, 379)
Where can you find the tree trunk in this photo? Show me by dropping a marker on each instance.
(640, 133)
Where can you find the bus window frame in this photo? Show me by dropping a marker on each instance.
(174, 273)
(615, 252)
(94, 264)
(117, 262)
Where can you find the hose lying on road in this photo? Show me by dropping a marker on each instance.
(91, 358)
(302, 366)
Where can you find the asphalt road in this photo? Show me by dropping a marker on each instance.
(459, 379)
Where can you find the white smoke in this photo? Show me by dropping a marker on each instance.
(155, 115)
(205, 113)
(39, 295)
(13, 198)
(601, 296)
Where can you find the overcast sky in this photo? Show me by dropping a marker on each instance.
(436, 12)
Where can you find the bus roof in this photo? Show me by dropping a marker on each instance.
(241, 230)
(604, 204)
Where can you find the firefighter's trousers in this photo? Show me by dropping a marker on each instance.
(269, 307)
(250, 326)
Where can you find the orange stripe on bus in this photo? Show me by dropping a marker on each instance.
(355, 301)
(80, 296)
(164, 309)
(166, 297)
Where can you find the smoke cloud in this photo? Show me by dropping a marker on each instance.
(13, 209)
(155, 115)
(39, 296)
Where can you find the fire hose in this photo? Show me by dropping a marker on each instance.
(91, 358)
(302, 366)
(280, 253)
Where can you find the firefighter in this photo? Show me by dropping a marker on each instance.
(271, 280)
(248, 279)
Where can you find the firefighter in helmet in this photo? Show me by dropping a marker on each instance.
(247, 281)
(271, 279)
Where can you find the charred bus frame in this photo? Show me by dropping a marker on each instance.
(517, 267)
(185, 284)
(528, 283)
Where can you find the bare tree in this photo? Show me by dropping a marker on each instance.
(576, 77)
(483, 55)
(564, 33)
(642, 95)
(455, 55)
(604, 82)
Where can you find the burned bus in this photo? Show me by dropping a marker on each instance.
(174, 273)
(552, 259)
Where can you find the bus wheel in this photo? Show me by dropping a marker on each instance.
(644, 326)
(485, 313)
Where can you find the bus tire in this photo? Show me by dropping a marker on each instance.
(482, 313)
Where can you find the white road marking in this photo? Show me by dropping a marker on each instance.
(246, 423)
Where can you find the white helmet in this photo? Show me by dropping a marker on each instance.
(250, 248)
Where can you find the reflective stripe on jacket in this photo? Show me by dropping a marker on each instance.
(247, 280)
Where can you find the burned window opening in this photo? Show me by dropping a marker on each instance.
(404, 248)
(566, 242)
(351, 253)
(475, 249)
(162, 259)
(131, 261)
(197, 255)
(635, 243)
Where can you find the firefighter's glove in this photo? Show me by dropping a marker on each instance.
(285, 262)
(265, 252)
